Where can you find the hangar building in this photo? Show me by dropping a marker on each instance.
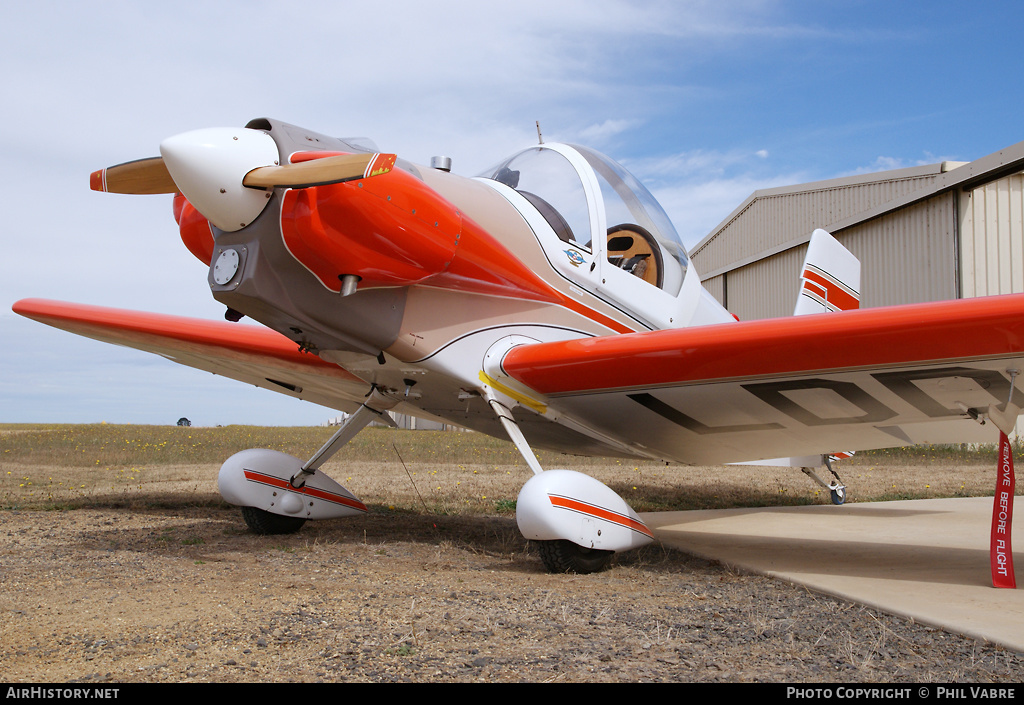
(944, 231)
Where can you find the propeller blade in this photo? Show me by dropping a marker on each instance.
(225, 173)
(143, 176)
(317, 172)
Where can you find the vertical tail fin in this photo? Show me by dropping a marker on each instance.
(830, 281)
(830, 277)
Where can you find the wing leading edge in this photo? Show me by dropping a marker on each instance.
(246, 353)
(862, 379)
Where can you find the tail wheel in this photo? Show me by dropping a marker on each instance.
(264, 523)
(563, 556)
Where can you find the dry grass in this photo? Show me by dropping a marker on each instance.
(68, 466)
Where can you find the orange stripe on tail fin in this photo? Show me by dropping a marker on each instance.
(830, 277)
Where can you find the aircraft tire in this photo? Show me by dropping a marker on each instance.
(264, 523)
(562, 556)
(838, 497)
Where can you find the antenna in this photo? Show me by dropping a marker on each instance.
(540, 139)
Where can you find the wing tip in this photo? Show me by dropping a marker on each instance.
(27, 307)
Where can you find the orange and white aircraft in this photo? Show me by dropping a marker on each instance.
(548, 300)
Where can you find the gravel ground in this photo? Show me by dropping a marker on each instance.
(185, 593)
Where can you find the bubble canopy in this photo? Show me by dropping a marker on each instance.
(588, 199)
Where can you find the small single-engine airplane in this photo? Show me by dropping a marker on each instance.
(549, 300)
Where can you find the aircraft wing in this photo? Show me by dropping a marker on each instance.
(805, 385)
(247, 353)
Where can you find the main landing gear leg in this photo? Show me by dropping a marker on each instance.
(836, 488)
(355, 423)
(576, 521)
(278, 493)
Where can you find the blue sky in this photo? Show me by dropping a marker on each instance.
(704, 101)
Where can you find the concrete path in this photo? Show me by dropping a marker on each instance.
(925, 559)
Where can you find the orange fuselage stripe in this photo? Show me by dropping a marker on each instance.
(397, 231)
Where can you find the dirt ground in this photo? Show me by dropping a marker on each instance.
(179, 591)
(118, 565)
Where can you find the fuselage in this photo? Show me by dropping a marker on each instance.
(408, 278)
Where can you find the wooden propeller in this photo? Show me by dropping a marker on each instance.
(317, 172)
(143, 176)
(150, 176)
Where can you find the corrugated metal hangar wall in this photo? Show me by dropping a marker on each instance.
(993, 258)
(927, 233)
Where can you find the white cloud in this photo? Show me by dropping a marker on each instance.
(700, 188)
(599, 134)
(698, 207)
(887, 163)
